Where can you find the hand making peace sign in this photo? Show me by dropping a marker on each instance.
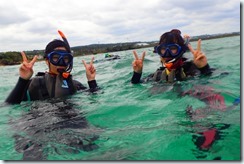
(199, 58)
(138, 63)
(90, 70)
(25, 70)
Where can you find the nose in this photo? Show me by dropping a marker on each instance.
(62, 62)
(167, 53)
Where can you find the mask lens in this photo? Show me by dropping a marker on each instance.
(163, 50)
(55, 58)
(174, 50)
(67, 59)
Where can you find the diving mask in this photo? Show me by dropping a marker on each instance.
(60, 58)
(169, 50)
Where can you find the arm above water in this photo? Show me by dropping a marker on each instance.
(206, 70)
(137, 65)
(92, 86)
(136, 78)
(90, 74)
(19, 91)
(25, 73)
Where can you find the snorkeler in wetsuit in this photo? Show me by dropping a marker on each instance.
(175, 67)
(54, 120)
(55, 83)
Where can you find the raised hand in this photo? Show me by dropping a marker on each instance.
(187, 39)
(199, 58)
(138, 62)
(90, 70)
(26, 68)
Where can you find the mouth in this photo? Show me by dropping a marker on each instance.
(168, 60)
(61, 69)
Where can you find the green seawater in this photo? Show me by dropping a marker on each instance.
(136, 122)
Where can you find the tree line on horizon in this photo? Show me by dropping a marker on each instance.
(14, 57)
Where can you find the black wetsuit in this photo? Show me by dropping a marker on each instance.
(188, 67)
(44, 86)
(54, 120)
(55, 125)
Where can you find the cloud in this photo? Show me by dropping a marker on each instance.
(27, 24)
(10, 15)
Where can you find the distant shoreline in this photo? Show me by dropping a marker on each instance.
(14, 58)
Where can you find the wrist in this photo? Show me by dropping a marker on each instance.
(25, 78)
(92, 84)
(138, 71)
(90, 79)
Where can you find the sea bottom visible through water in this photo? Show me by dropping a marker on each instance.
(123, 121)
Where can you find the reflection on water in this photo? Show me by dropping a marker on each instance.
(53, 124)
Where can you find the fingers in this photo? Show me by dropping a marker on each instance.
(186, 36)
(191, 49)
(196, 52)
(89, 66)
(134, 63)
(92, 69)
(24, 66)
(92, 59)
(33, 60)
(199, 57)
(199, 45)
(143, 55)
(84, 63)
(135, 55)
(24, 57)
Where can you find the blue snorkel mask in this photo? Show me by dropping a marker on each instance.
(60, 58)
(173, 51)
(168, 50)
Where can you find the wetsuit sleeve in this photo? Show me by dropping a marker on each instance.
(205, 70)
(190, 69)
(17, 94)
(136, 78)
(93, 85)
(79, 86)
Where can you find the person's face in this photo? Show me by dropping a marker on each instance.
(53, 68)
(168, 52)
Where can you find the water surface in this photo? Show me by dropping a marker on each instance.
(125, 121)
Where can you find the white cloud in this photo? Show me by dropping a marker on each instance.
(28, 25)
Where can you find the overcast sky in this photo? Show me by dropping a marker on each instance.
(31, 24)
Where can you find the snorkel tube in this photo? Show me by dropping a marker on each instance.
(65, 40)
(65, 73)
